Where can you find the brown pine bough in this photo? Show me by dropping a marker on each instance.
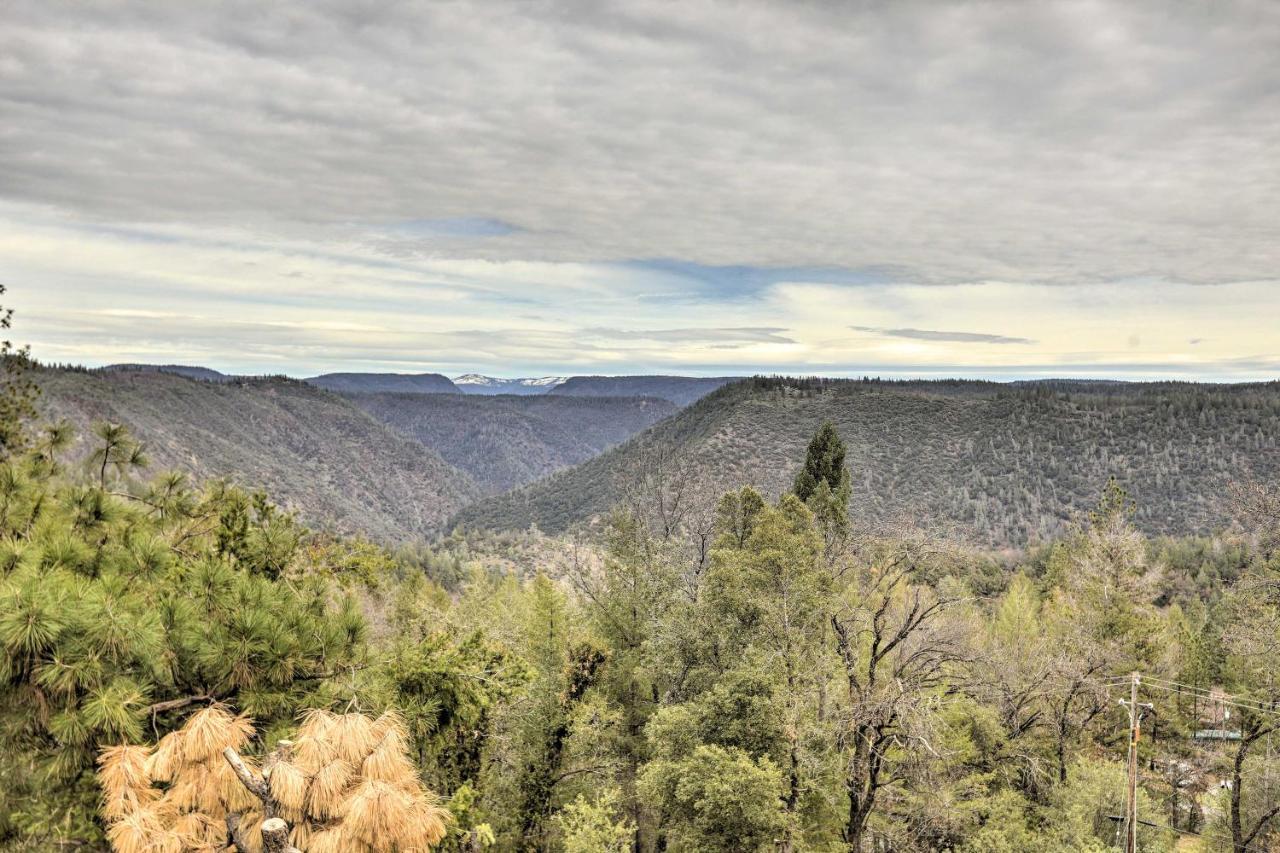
(344, 783)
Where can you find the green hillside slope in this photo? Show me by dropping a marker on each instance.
(313, 451)
(1003, 464)
(506, 441)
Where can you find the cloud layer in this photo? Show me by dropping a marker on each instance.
(938, 335)
(625, 186)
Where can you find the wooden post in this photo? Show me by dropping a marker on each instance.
(1131, 799)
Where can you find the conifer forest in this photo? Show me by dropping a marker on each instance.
(187, 667)
(637, 426)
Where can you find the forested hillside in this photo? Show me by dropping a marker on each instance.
(190, 371)
(184, 667)
(1005, 465)
(506, 441)
(681, 390)
(313, 451)
(421, 383)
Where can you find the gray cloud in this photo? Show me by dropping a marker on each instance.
(722, 336)
(1046, 142)
(936, 335)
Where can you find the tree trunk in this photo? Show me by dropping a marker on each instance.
(861, 784)
(1062, 751)
(275, 836)
(793, 772)
(856, 821)
(1237, 766)
(275, 832)
(1242, 841)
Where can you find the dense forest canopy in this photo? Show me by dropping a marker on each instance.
(700, 672)
(1001, 465)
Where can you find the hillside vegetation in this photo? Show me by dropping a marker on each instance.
(206, 374)
(184, 667)
(507, 441)
(313, 451)
(1005, 465)
(421, 383)
(681, 390)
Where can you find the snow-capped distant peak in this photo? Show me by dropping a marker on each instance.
(478, 383)
(476, 379)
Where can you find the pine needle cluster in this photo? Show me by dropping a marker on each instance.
(176, 796)
(345, 784)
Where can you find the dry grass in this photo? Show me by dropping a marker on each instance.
(126, 787)
(387, 723)
(300, 836)
(426, 828)
(317, 723)
(329, 841)
(198, 827)
(134, 833)
(123, 768)
(211, 730)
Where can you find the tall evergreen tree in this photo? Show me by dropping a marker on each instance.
(823, 463)
(823, 485)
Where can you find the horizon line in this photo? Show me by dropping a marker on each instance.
(899, 375)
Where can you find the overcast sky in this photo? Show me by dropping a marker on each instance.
(978, 189)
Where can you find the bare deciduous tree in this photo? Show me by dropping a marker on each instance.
(897, 647)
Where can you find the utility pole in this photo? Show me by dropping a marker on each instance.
(1135, 733)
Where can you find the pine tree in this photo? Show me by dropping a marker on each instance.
(17, 392)
(565, 666)
(116, 613)
(823, 485)
(823, 463)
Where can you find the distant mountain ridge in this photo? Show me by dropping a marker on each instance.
(504, 441)
(312, 451)
(204, 374)
(681, 390)
(354, 383)
(476, 383)
(1004, 465)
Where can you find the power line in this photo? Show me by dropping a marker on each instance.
(1165, 826)
(1262, 706)
(1171, 686)
(1224, 701)
(1174, 687)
